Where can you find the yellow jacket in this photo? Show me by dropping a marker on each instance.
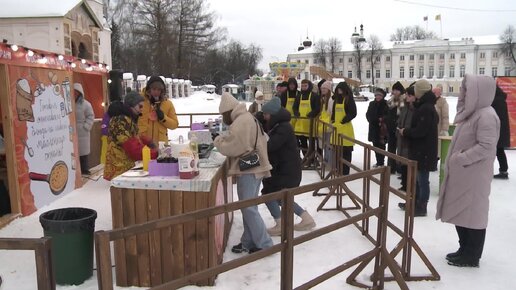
(157, 130)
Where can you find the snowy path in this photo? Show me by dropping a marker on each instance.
(313, 258)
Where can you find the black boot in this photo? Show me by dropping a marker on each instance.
(462, 233)
(501, 175)
(420, 209)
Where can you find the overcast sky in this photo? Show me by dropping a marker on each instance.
(278, 25)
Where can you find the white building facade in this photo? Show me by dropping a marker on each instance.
(442, 61)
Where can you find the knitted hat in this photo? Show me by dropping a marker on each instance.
(227, 102)
(132, 99)
(421, 87)
(272, 107)
(258, 95)
(327, 85)
(78, 87)
(380, 91)
(399, 87)
(410, 91)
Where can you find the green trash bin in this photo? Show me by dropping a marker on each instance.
(71, 230)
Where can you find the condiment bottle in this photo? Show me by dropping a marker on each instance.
(145, 157)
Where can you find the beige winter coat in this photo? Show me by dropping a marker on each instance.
(441, 106)
(240, 141)
(464, 195)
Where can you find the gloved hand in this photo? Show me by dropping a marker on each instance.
(160, 114)
(444, 133)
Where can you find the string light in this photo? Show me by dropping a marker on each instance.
(30, 53)
(83, 60)
(60, 57)
(102, 104)
(43, 59)
(14, 47)
(73, 65)
(100, 65)
(109, 81)
(107, 67)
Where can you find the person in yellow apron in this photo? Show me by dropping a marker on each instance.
(308, 105)
(325, 116)
(344, 110)
(289, 97)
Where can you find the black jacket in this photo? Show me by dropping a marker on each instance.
(350, 107)
(283, 154)
(291, 94)
(315, 102)
(375, 111)
(500, 106)
(422, 134)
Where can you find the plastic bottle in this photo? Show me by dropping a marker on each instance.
(194, 147)
(145, 157)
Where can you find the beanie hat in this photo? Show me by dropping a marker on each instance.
(283, 84)
(381, 91)
(272, 107)
(421, 87)
(132, 99)
(152, 80)
(399, 87)
(410, 91)
(327, 85)
(258, 95)
(227, 102)
(78, 87)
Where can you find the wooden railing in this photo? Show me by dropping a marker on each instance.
(192, 116)
(42, 249)
(379, 253)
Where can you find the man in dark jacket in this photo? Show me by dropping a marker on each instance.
(377, 129)
(500, 106)
(396, 104)
(422, 137)
(307, 105)
(284, 157)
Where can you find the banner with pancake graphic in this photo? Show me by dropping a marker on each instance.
(45, 141)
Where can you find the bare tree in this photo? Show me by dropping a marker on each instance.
(321, 52)
(334, 47)
(358, 53)
(374, 48)
(412, 33)
(508, 39)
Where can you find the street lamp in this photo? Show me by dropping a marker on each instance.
(358, 40)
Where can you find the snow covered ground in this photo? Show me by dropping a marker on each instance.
(18, 271)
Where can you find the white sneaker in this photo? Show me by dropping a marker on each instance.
(306, 223)
(275, 230)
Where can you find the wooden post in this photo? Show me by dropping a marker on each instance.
(103, 258)
(44, 268)
(287, 238)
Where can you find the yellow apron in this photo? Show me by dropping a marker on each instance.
(303, 125)
(323, 117)
(290, 104)
(344, 129)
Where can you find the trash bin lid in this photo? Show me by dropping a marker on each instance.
(66, 220)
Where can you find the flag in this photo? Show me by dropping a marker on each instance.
(425, 18)
(438, 17)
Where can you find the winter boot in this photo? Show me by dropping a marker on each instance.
(464, 261)
(501, 175)
(275, 230)
(402, 205)
(420, 209)
(306, 223)
(237, 249)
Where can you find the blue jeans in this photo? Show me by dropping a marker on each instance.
(422, 185)
(255, 234)
(274, 208)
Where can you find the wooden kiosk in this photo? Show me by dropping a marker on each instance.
(40, 161)
(153, 258)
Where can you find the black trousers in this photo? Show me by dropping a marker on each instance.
(380, 158)
(404, 170)
(471, 242)
(347, 154)
(302, 142)
(392, 149)
(84, 163)
(502, 159)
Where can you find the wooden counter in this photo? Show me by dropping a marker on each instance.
(151, 259)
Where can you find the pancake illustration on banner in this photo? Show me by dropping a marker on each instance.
(24, 100)
(57, 178)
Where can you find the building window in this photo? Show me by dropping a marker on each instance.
(421, 72)
(315, 60)
(432, 57)
(421, 57)
(452, 55)
(507, 54)
(387, 73)
(507, 71)
(441, 56)
(411, 72)
(481, 70)
(411, 57)
(450, 89)
(482, 55)
(462, 55)
(350, 74)
(350, 59)
(452, 71)
(340, 72)
(402, 72)
(430, 71)
(402, 57)
(494, 71)
(341, 60)
(306, 61)
(387, 58)
(377, 73)
(495, 54)
(378, 58)
(368, 74)
(440, 74)
(462, 71)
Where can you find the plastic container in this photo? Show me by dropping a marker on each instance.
(186, 163)
(71, 230)
(194, 147)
